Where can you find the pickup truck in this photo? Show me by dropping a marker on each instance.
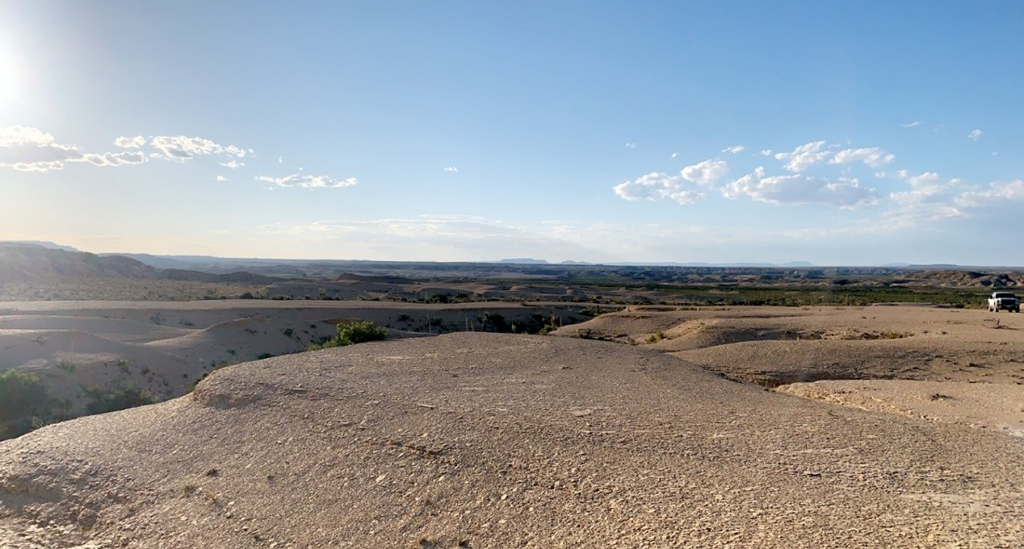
(1003, 300)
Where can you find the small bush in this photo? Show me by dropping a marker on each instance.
(352, 332)
(22, 395)
(121, 398)
(656, 337)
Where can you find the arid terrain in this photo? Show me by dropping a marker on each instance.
(81, 351)
(885, 426)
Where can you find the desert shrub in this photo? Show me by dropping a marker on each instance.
(553, 324)
(22, 395)
(119, 398)
(656, 337)
(352, 332)
(495, 322)
(325, 345)
(360, 331)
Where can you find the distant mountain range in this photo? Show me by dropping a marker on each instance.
(528, 261)
(43, 243)
(28, 262)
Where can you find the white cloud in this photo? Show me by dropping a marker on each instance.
(707, 172)
(908, 216)
(923, 187)
(873, 157)
(809, 154)
(913, 124)
(653, 186)
(995, 193)
(804, 156)
(182, 148)
(309, 181)
(631, 145)
(675, 155)
(735, 149)
(657, 186)
(974, 135)
(800, 189)
(685, 196)
(766, 152)
(115, 159)
(221, 178)
(280, 160)
(452, 169)
(931, 199)
(928, 199)
(32, 150)
(925, 180)
(136, 142)
(23, 135)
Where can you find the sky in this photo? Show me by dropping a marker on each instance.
(838, 133)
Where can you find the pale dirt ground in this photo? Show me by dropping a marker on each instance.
(485, 440)
(981, 405)
(937, 364)
(773, 345)
(166, 347)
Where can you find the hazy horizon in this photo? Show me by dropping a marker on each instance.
(858, 134)
(514, 260)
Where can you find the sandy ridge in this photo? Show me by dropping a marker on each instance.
(503, 441)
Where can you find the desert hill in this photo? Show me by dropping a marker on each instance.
(30, 262)
(770, 346)
(36, 272)
(84, 352)
(486, 440)
(23, 262)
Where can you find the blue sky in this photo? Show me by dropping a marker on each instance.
(849, 133)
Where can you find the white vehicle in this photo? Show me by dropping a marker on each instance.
(1003, 300)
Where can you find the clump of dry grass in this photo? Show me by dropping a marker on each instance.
(656, 337)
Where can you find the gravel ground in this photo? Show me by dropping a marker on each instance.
(499, 441)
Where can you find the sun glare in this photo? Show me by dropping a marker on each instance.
(10, 79)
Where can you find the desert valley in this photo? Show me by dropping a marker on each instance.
(503, 274)
(509, 409)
